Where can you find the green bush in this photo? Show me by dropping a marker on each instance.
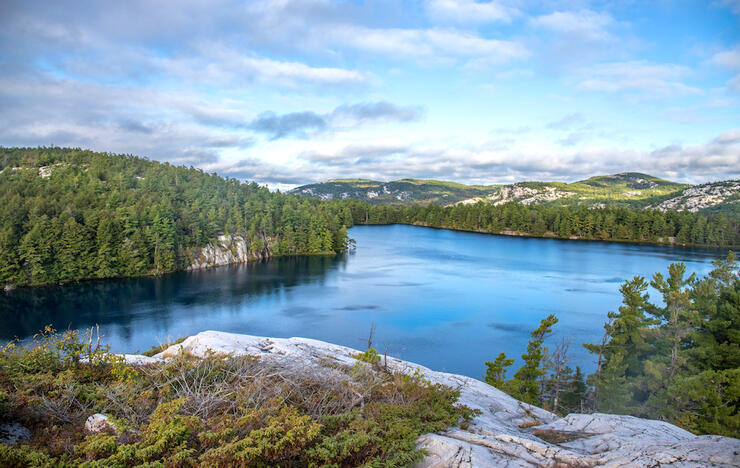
(212, 411)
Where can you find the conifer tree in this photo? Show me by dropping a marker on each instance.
(496, 371)
(528, 376)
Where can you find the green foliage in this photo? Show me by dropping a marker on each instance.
(705, 403)
(213, 411)
(606, 224)
(574, 397)
(496, 371)
(370, 356)
(677, 361)
(99, 215)
(528, 376)
(632, 190)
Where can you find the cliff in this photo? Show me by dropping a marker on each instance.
(507, 432)
(227, 250)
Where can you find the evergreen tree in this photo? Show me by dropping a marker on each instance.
(676, 318)
(528, 376)
(574, 397)
(626, 350)
(496, 371)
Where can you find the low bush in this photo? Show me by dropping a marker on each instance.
(212, 411)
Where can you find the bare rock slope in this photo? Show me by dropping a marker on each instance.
(508, 432)
(703, 196)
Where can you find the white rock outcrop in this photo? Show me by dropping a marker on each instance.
(521, 194)
(702, 196)
(98, 423)
(227, 250)
(508, 432)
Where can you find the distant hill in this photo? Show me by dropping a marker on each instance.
(397, 192)
(629, 189)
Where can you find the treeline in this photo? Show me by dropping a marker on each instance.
(676, 360)
(70, 214)
(607, 224)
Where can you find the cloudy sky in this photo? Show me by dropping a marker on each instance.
(287, 92)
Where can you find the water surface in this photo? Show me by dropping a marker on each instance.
(448, 300)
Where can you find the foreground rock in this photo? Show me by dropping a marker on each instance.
(98, 423)
(12, 432)
(509, 432)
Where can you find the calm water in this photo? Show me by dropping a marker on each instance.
(448, 300)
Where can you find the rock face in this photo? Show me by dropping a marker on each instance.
(508, 432)
(521, 194)
(703, 196)
(226, 250)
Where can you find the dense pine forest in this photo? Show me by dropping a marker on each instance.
(676, 358)
(70, 214)
(606, 224)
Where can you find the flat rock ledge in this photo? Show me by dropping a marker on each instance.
(508, 433)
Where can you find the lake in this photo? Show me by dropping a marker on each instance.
(447, 300)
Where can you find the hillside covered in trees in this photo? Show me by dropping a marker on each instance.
(70, 214)
(606, 224)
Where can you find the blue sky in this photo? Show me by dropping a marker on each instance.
(288, 92)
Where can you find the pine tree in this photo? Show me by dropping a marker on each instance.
(528, 376)
(496, 371)
(677, 317)
(626, 350)
(73, 251)
(574, 397)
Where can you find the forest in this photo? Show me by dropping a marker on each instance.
(605, 224)
(676, 359)
(70, 214)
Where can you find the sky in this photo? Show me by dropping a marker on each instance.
(290, 92)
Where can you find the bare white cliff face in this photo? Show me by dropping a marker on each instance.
(702, 196)
(226, 250)
(508, 432)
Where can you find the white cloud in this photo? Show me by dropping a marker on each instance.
(498, 161)
(226, 65)
(729, 59)
(585, 24)
(637, 76)
(469, 11)
(428, 43)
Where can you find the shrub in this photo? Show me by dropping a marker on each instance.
(213, 411)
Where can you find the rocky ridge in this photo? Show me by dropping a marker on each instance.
(521, 194)
(508, 432)
(703, 196)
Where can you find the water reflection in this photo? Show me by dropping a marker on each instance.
(162, 300)
(447, 300)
